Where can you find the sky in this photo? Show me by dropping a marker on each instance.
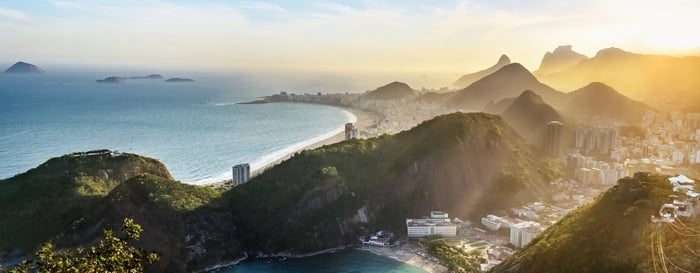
(421, 37)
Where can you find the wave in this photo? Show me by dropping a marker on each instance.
(261, 163)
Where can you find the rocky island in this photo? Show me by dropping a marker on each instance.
(179, 80)
(149, 77)
(116, 79)
(113, 79)
(24, 68)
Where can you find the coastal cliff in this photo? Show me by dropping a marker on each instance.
(466, 164)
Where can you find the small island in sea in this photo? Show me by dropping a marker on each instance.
(24, 68)
(149, 77)
(179, 80)
(113, 79)
(116, 79)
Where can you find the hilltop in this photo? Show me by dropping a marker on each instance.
(43, 201)
(507, 82)
(614, 234)
(558, 60)
(528, 114)
(635, 75)
(391, 91)
(24, 68)
(468, 79)
(467, 164)
(602, 101)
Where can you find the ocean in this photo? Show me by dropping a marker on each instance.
(196, 129)
(346, 261)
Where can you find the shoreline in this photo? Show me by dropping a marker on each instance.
(363, 120)
(405, 255)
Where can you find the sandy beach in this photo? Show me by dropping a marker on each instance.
(406, 254)
(365, 119)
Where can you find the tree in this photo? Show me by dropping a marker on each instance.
(111, 254)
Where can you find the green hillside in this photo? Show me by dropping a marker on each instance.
(615, 234)
(40, 203)
(466, 164)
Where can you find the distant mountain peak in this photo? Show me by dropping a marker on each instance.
(515, 70)
(507, 82)
(396, 84)
(527, 113)
(560, 59)
(393, 90)
(611, 52)
(597, 99)
(24, 68)
(599, 86)
(562, 49)
(503, 60)
(468, 79)
(529, 96)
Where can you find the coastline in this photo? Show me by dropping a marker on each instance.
(223, 265)
(406, 255)
(363, 120)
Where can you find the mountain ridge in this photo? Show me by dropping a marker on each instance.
(468, 79)
(602, 101)
(561, 58)
(509, 81)
(528, 114)
(638, 76)
(467, 164)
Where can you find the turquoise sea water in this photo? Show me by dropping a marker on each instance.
(347, 261)
(196, 129)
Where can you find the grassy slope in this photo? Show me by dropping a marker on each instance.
(307, 203)
(612, 234)
(318, 190)
(40, 203)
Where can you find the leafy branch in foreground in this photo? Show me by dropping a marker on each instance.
(111, 254)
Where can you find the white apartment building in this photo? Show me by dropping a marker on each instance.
(438, 224)
(521, 233)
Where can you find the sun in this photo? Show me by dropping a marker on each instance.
(672, 33)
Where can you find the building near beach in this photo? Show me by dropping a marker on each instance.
(439, 223)
(240, 173)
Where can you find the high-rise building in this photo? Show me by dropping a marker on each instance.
(241, 173)
(354, 133)
(522, 233)
(348, 130)
(553, 140)
(580, 137)
(606, 139)
(591, 140)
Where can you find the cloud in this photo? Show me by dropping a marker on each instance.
(455, 36)
(13, 14)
